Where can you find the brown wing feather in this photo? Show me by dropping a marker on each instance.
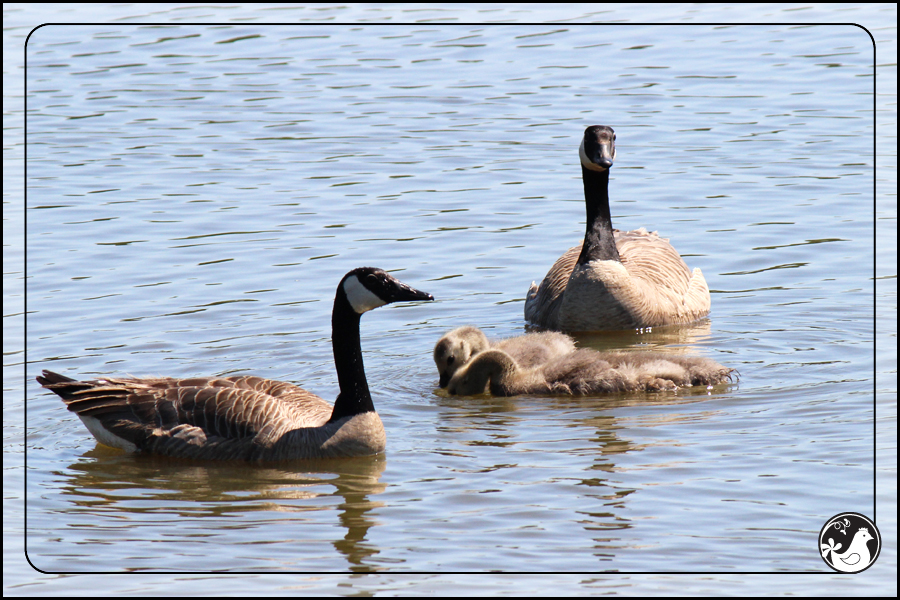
(543, 301)
(652, 258)
(155, 413)
(661, 281)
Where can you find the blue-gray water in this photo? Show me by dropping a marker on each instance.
(195, 192)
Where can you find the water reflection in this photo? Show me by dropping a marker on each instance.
(680, 339)
(146, 488)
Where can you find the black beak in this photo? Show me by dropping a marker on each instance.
(400, 292)
(603, 160)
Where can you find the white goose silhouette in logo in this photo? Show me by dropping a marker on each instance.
(853, 559)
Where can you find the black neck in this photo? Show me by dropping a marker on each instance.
(599, 241)
(354, 397)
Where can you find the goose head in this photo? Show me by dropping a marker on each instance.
(360, 291)
(366, 288)
(598, 148)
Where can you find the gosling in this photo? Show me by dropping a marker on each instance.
(457, 347)
(586, 372)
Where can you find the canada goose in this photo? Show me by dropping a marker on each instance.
(614, 279)
(247, 417)
(585, 372)
(457, 347)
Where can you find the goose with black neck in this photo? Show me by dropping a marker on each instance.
(615, 279)
(247, 417)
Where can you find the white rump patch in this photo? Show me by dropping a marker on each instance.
(360, 297)
(104, 436)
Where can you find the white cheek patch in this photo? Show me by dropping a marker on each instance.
(587, 162)
(361, 299)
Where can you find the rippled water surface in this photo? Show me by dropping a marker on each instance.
(195, 193)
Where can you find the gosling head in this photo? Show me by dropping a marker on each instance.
(494, 367)
(598, 148)
(468, 384)
(455, 349)
(464, 385)
(367, 287)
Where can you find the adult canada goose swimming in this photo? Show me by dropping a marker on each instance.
(585, 372)
(247, 417)
(614, 279)
(457, 347)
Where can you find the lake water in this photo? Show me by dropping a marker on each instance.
(195, 193)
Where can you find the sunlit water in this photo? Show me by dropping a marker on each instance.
(195, 193)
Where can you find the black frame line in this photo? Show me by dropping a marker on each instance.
(375, 571)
